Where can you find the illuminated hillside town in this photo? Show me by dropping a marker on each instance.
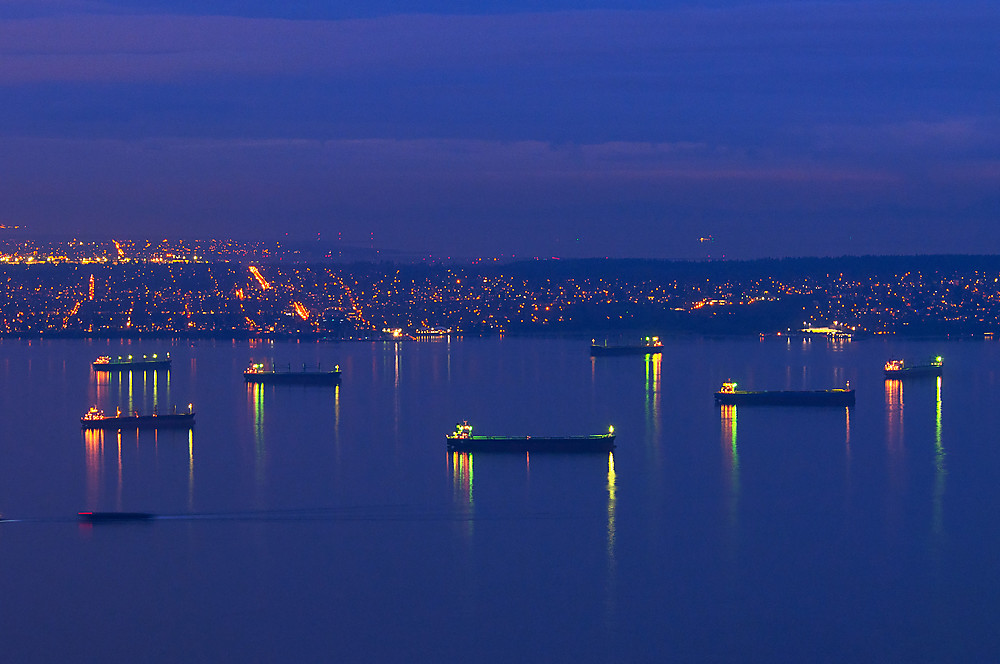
(227, 288)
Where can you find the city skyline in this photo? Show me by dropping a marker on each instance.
(226, 289)
(678, 130)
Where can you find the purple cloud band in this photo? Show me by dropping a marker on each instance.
(167, 47)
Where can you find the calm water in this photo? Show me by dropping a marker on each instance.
(321, 524)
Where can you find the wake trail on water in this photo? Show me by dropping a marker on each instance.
(382, 513)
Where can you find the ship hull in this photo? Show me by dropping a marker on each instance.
(914, 372)
(292, 377)
(603, 443)
(115, 517)
(133, 422)
(123, 367)
(600, 351)
(786, 398)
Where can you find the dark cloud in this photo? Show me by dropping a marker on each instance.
(779, 128)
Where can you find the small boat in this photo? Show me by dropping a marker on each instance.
(898, 368)
(96, 419)
(114, 517)
(462, 440)
(730, 396)
(256, 373)
(648, 346)
(129, 363)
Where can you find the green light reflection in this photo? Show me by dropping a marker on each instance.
(940, 468)
(260, 448)
(462, 477)
(653, 389)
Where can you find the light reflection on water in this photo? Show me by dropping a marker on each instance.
(634, 551)
(731, 455)
(463, 483)
(940, 468)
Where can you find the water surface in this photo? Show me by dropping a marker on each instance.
(322, 524)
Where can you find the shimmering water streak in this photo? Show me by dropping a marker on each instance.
(611, 486)
(611, 587)
(731, 455)
(190, 469)
(463, 482)
(256, 393)
(940, 469)
(94, 442)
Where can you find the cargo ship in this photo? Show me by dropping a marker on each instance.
(114, 517)
(649, 345)
(462, 440)
(96, 419)
(730, 396)
(256, 373)
(130, 363)
(898, 369)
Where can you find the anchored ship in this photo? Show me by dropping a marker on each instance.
(898, 369)
(256, 373)
(130, 363)
(648, 345)
(96, 419)
(114, 517)
(462, 440)
(730, 396)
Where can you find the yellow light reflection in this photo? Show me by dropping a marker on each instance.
(395, 371)
(190, 469)
(396, 392)
(336, 412)
(462, 477)
(894, 414)
(94, 442)
(847, 431)
(732, 458)
(611, 600)
(256, 392)
(653, 389)
(612, 490)
(894, 427)
(118, 491)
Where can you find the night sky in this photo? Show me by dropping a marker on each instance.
(527, 127)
